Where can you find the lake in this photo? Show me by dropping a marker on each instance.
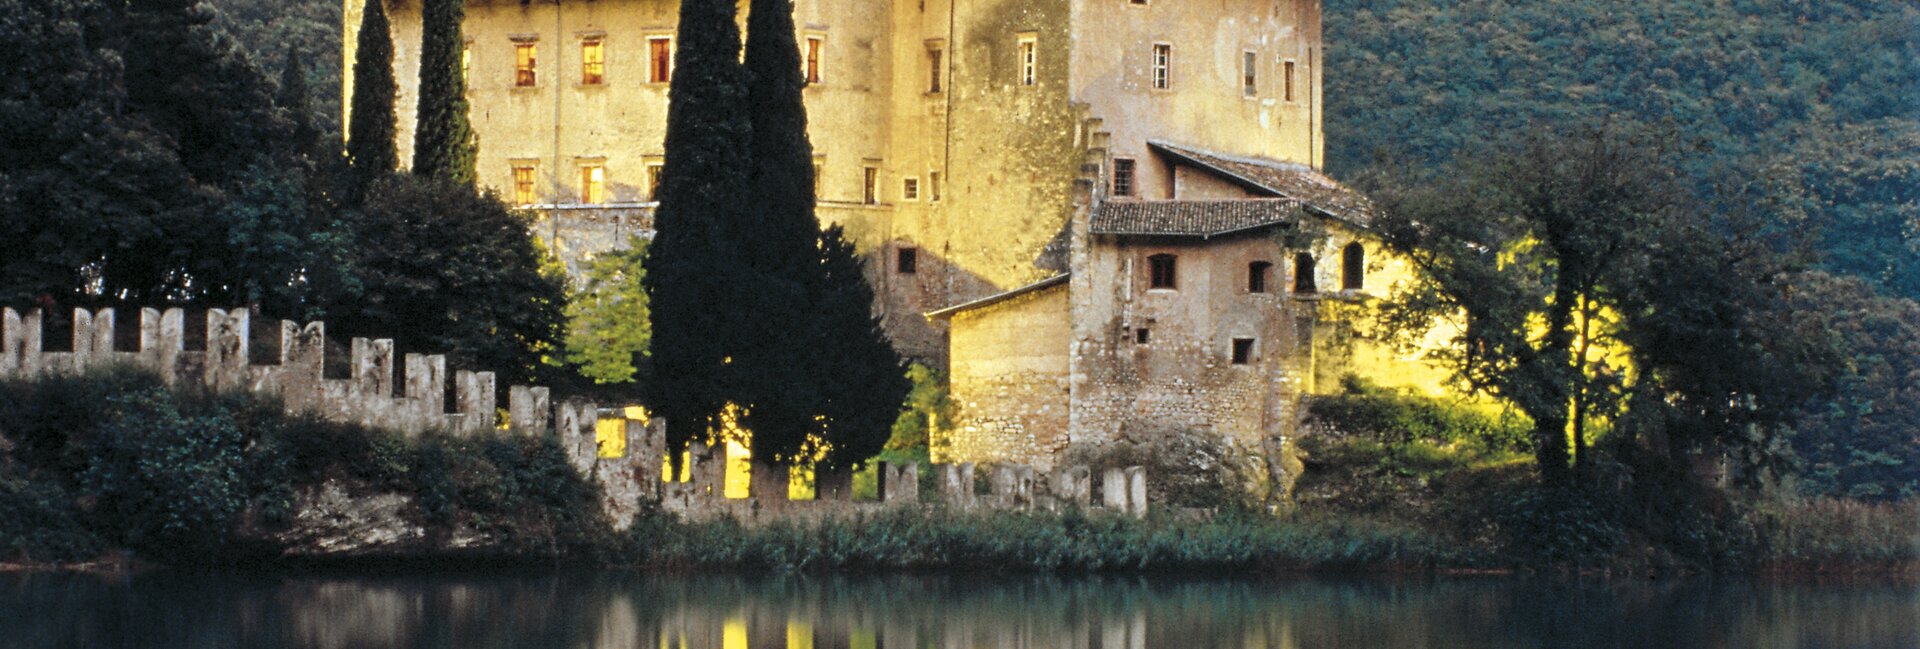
(584, 610)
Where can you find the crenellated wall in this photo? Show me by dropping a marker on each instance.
(625, 455)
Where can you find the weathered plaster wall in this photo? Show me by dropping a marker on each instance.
(1205, 104)
(1010, 381)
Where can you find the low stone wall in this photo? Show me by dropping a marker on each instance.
(626, 456)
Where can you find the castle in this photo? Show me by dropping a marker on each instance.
(1106, 217)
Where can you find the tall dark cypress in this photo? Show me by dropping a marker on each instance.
(861, 379)
(781, 240)
(370, 137)
(692, 266)
(297, 100)
(443, 141)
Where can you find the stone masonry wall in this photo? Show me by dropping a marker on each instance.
(629, 468)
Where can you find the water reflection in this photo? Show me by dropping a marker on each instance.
(635, 611)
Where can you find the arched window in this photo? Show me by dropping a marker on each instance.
(1303, 274)
(1353, 267)
(1162, 271)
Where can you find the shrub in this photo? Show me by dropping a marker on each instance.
(38, 523)
(1381, 414)
(168, 484)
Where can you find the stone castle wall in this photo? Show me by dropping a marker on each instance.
(625, 456)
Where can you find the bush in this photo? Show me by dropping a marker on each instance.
(168, 483)
(38, 523)
(1384, 415)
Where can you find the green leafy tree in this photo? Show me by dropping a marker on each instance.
(929, 401)
(862, 379)
(370, 139)
(169, 484)
(443, 142)
(297, 100)
(609, 327)
(441, 269)
(1864, 442)
(697, 302)
(265, 27)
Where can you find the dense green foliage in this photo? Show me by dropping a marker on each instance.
(442, 269)
(859, 404)
(312, 27)
(608, 325)
(443, 140)
(929, 402)
(693, 285)
(1815, 95)
(1385, 415)
(1865, 442)
(116, 460)
(370, 138)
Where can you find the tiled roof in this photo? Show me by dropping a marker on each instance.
(1290, 180)
(1197, 218)
(990, 300)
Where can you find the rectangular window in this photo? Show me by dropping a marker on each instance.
(1029, 60)
(1162, 66)
(1249, 75)
(1286, 77)
(906, 261)
(466, 65)
(1162, 271)
(816, 47)
(593, 184)
(933, 186)
(1257, 276)
(659, 59)
(870, 194)
(525, 57)
(935, 58)
(593, 62)
(819, 175)
(910, 189)
(1123, 176)
(654, 171)
(1242, 351)
(523, 184)
(1142, 335)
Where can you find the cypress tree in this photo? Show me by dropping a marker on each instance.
(443, 142)
(296, 99)
(781, 240)
(691, 280)
(370, 137)
(862, 380)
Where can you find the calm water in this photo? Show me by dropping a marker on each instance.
(627, 611)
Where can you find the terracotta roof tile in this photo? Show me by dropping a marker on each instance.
(1197, 218)
(1291, 180)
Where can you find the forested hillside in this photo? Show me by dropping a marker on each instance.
(1819, 100)
(269, 28)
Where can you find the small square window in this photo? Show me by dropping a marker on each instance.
(1141, 335)
(593, 184)
(1162, 271)
(1242, 351)
(906, 261)
(910, 189)
(523, 186)
(1257, 276)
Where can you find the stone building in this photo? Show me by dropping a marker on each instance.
(1121, 196)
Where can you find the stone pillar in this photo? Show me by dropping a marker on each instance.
(1137, 491)
(227, 353)
(574, 421)
(1073, 487)
(306, 354)
(170, 340)
(529, 410)
(475, 401)
(427, 385)
(1113, 490)
(13, 344)
(82, 341)
(372, 369)
(833, 485)
(102, 346)
(767, 484)
(956, 484)
(899, 483)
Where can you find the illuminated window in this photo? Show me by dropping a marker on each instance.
(654, 171)
(593, 62)
(1162, 271)
(1286, 78)
(910, 189)
(593, 183)
(1242, 351)
(1257, 276)
(659, 59)
(524, 61)
(871, 193)
(1249, 76)
(523, 184)
(906, 261)
(1353, 266)
(935, 57)
(1303, 274)
(816, 46)
(1123, 176)
(1162, 64)
(933, 186)
(1029, 53)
